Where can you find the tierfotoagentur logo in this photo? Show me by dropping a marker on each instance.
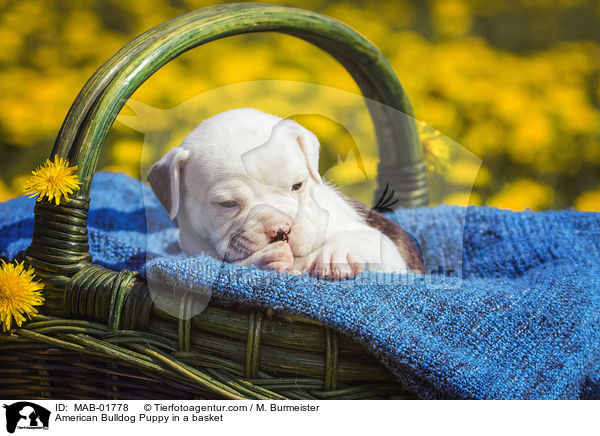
(26, 416)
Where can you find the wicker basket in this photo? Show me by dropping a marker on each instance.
(102, 336)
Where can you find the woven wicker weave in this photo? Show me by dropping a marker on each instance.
(101, 336)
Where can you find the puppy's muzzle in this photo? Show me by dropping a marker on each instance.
(280, 232)
(263, 226)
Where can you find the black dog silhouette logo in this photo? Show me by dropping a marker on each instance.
(26, 415)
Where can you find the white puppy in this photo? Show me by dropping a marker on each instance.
(245, 188)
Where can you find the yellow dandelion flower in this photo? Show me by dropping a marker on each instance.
(19, 293)
(436, 150)
(54, 180)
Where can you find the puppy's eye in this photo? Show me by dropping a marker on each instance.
(228, 204)
(297, 186)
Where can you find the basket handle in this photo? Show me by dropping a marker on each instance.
(95, 109)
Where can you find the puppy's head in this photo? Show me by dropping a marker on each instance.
(241, 180)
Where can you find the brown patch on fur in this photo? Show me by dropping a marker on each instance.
(403, 242)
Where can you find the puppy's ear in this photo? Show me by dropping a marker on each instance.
(164, 178)
(309, 145)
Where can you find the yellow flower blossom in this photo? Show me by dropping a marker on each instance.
(19, 293)
(523, 194)
(436, 149)
(463, 198)
(55, 180)
(588, 201)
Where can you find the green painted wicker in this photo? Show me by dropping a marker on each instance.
(101, 336)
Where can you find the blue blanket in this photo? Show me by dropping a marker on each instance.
(513, 314)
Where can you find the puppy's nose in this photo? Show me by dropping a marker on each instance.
(279, 233)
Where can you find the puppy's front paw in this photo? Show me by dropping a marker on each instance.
(336, 261)
(276, 256)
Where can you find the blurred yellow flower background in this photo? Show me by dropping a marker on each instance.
(516, 83)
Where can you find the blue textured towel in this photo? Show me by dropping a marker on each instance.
(523, 322)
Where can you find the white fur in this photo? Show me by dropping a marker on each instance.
(254, 159)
